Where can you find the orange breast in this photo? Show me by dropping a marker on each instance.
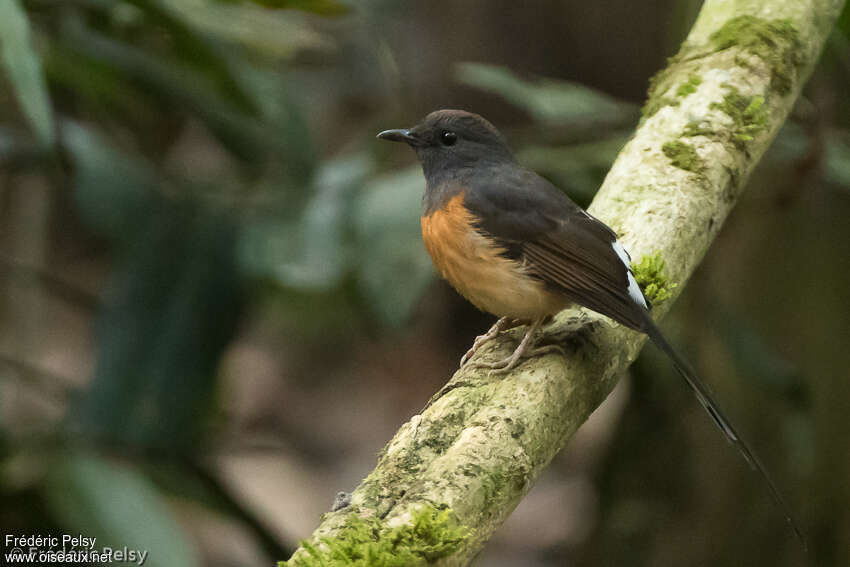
(477, 269)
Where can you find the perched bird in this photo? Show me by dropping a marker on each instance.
(517, 247)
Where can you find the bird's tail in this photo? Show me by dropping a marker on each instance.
(703, 395)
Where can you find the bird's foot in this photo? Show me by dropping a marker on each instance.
(510, 362)
(500, 325)
(525, 349)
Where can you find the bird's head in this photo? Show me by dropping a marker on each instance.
(447, 140)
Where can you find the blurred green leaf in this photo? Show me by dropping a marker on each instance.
(200, 52)
(275, 34)
(836, 163)
(546, 100)
(243, 134)
(100, 90)
(312, 254)
(286, 132)
(24, 70)
(393, 269)
(113, 192)
(843, 23)
(169, 313)
(120, 507)
(351, 225)
(321, 7)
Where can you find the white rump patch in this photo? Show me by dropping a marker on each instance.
(634, 288)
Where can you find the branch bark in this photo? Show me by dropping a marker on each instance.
(453, 473)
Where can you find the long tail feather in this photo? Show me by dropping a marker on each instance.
(703, 395)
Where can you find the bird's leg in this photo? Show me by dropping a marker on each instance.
(524, 350)
(500, 325)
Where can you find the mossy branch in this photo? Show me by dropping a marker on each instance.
(454, 472)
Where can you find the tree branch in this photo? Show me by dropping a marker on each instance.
(453, 473)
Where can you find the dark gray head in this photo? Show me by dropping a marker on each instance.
(448, 141)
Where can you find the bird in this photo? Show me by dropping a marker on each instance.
(518, 247)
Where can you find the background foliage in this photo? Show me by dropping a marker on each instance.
(215, 308)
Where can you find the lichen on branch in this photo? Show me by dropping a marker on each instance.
(776, 42)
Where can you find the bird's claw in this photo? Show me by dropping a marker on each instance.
(509, 363)
(525, 349)
(480, 340)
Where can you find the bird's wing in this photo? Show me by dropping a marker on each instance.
(559, 243)
(579, 255)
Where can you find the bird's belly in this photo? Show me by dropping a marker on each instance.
(475, 266)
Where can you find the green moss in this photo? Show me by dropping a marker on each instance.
(440, 436)
(683, 156)
(653, 105)
(656, 103)
(649, 273)
(776, 42)
(689, 87)
(430, 535)
(659, 81)
(695, 128)
(658, 85)
(749, 116)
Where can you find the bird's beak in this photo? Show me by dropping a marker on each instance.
(402, 135)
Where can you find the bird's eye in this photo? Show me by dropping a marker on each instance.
(448, 138)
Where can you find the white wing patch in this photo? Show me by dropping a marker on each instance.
(634, 288)
(621, 252)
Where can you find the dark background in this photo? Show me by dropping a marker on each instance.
(215, 309)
